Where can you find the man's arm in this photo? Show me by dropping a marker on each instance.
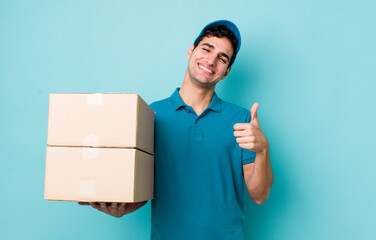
(115, 209)
(258, 176)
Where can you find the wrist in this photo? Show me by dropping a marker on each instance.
(265, 149)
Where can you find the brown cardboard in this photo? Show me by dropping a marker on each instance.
(98, 174)
(100, 120)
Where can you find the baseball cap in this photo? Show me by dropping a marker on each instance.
(230, 25)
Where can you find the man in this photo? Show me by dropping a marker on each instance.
(205, 149)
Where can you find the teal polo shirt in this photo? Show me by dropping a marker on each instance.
(198, 186)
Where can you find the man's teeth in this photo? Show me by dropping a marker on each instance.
(205, 69)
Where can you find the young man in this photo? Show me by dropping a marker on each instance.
(205, 149)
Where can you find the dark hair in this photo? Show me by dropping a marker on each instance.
(220, 31)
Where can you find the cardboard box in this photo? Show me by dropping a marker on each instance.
(100, 120)
(98, 174)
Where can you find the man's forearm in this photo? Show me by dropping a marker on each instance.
(261, 179)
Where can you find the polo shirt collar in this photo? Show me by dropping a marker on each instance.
(177, 102)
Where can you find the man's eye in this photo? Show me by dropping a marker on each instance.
(205, 49)
(223, 60)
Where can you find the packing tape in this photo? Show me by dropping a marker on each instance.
(90, 153)
(91, 140)
(94, 99)
(87, 190)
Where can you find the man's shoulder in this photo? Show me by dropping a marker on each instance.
(160, 104)
(231, 107)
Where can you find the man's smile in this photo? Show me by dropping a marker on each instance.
(206, 69)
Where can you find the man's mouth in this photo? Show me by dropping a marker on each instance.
(206, 69)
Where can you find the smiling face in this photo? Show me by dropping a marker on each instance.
(208, 62)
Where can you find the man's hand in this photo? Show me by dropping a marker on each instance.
(258, 176)
(113, 209)
(250, 135)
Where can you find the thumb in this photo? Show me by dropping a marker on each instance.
(254, 113)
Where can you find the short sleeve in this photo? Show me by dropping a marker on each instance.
(247, 155)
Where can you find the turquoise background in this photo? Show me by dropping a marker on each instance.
(310, 64)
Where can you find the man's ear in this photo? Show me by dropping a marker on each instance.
(190, 50)
(226, 73)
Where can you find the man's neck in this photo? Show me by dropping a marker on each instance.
(197, 97)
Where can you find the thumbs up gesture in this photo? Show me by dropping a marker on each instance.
(249, 135)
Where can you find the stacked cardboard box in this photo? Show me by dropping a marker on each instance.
(100, 148)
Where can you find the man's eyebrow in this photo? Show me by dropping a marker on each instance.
(212, 47)
(209, 45)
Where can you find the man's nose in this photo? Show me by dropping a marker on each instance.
(212, 59)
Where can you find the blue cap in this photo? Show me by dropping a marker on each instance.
(230, 25)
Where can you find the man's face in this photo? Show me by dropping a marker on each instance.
(208, 62)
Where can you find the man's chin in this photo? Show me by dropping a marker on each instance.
(206, 84)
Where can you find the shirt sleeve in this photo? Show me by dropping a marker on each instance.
(247, 155)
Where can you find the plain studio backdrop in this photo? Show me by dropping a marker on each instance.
(310, 64)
